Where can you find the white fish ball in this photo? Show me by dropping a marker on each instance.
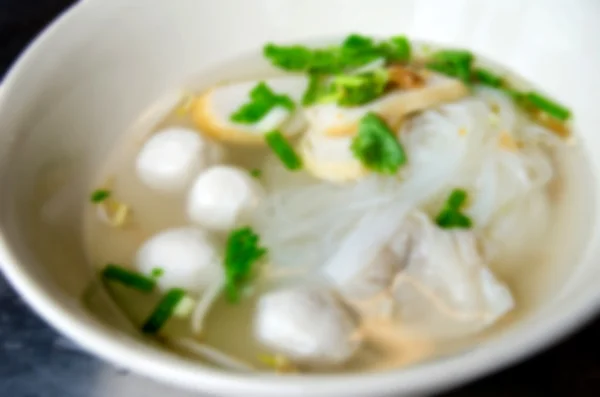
(221, 196)
(308, 325)
(170, 159)
(186, 256)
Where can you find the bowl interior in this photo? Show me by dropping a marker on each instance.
(80, 87)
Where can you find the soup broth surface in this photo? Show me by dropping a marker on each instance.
(534, 277)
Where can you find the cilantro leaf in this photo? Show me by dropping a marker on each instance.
(242, 251)
(282, 148)
(359, 50)
(397, 49)
(262, 101)
(457, 198)
(326, 61)
(354, 52)
(449, 219)
(294, 58)
(451, 216)
(358, 89)
(376, 146)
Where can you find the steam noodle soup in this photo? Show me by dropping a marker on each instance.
(359, 206)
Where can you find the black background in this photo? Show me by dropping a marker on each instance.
(572, 368)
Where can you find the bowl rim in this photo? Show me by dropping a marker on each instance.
(168, 368)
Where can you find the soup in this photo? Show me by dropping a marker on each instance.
(358, 206)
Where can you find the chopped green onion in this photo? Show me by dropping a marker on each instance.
(128, 278)
(460, 56)
(262, 101)
(548, 106)
(282, 148)
(316, 88)
(318, 91)
(157, 272)
(326, 61)
(359, 89)
(376, 146)
(516, 95)
(451, 215)
(255, 173)
(397, 49)
(453, 63)
(486, 77)
(99, 195)
(294, 58)
(354, 52)
(163, 311)
(242, 251)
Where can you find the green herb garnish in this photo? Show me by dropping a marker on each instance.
(453, 63)
(376, 146)
(157, 272)
(242, 251)
(282, 148)
(262, 101)
(359, 89)
(163, 311)
(359, 50)
(294, 58)
(99, 195)
(128, 278)
(354, 52)
(397, 49)
(451, 215)
(346, 89)
(255, 173)
(548, 106)
(486, 77)
(317, 88)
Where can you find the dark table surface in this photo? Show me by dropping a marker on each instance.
(37, 362)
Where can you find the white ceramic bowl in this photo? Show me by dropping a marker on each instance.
(88, 76)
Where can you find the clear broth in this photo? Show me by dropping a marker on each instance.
(534, 280)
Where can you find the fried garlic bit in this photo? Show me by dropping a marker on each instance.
(404, 78)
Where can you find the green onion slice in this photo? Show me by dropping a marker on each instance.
(163, 311)
(128, 278)
(282, 148)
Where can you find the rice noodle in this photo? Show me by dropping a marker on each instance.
(340, 228)
(205, 303)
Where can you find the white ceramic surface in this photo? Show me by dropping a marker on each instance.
(84, 81)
